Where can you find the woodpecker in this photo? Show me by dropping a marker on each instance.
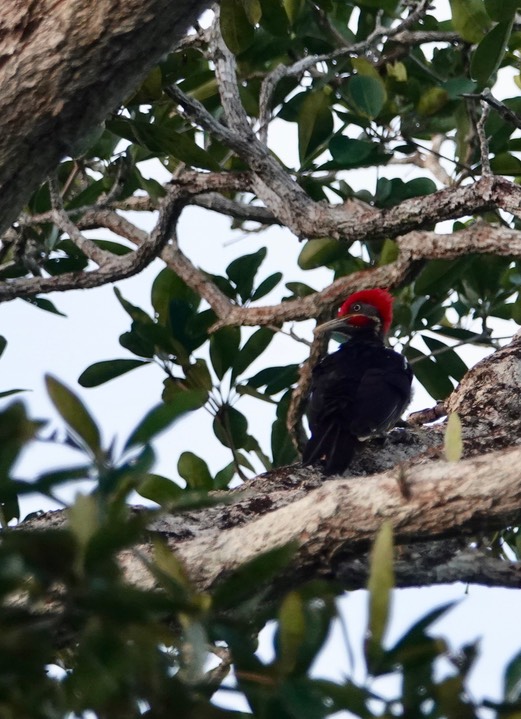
(359, 391)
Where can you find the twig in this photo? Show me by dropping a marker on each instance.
(63, 222)
(483, 142)
(116, 268)
(425, 416)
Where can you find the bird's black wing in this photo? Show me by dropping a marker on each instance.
(382, 395)
(333, 391)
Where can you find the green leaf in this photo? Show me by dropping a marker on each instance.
(345, 696)
(253, 348)
(367, 93)
(83, 518)
(266, 286)
(164, 415)
(237, 31)
(505, 164)
(198, 376)
(150, 89)
(452, 441)
(159, 489)
(447, 358)
(388, 5)
(101, 372)
(438, 276)
(470, 19)
(248, 579)
(224, 476)
(231, 427)
(16, 430)
(162, 139)
(432, 101)
(416, 632)
(136, 313)
(9, 392)
(320, 252)
(304, 623)
(224, 346)
(115, 247)
(75, 414)
(415, 648)
(283, 450)
(512, 679)
(488, 55)
(253, 11)
(500, 10)
(348, 152)
(44, 304)
(194, 471)
(242, 272)
(291, 632)
(431, 374)
(275, 378)
(300, 289)
(380, 584)
(274, 17)
(292, 8)
(166, 287)
(315, 122)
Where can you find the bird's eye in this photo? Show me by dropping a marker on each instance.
(356, 308)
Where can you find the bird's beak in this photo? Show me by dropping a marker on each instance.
(342, 324)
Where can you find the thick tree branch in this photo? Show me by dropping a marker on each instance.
(332, 522)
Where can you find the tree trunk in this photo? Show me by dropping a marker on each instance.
(63, 67)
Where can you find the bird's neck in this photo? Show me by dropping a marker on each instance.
(363, 335)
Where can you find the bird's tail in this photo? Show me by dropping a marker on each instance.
(335, 446)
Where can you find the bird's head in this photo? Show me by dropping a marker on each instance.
(364, 310)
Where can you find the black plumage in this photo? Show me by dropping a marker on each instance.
(359, 391)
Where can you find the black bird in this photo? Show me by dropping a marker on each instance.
(360, 390)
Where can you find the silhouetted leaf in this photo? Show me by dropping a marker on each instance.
(512, 679)
(249, 578)
(432, 376)
(266, 286)
(75, 414)
(253, 348)
(242, 272)
(194, 471)
(101, 372)
(231, 427)
(348, 152)
(159, 489)
(224, 346)
(446, 358)
(489, 53)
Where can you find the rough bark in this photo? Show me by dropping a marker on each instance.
(63, 67)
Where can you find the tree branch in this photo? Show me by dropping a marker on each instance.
(332, 521)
